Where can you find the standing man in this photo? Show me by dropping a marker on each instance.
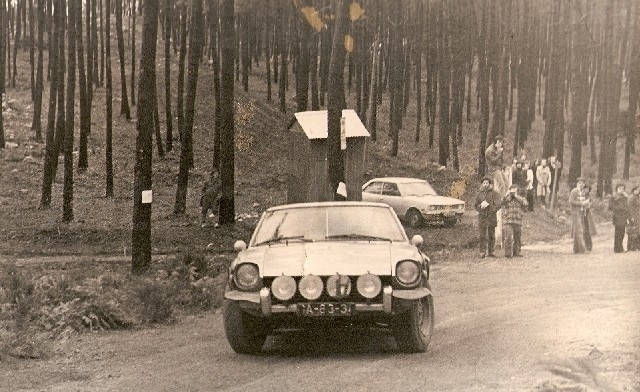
(494, 157)
(619, 204)
(487, 203)
(578, 202)
(513, 206)
(543, 177)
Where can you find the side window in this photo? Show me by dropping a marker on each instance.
(390, 189)
(374, 187)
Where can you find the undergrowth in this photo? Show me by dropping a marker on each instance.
(37, 308)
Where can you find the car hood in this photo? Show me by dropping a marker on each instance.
(433, 200)
(328, 258)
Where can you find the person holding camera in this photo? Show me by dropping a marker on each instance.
(513, 206)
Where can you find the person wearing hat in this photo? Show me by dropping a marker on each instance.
(619, 205)
(487, 203)
(494, 157)
(513, 206)
(578, 203)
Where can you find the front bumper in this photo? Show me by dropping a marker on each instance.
(262, 303)
(439, 216)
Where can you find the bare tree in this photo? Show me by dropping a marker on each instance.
(186, 147)
(67, 191)
(124, 100)
(36, 124)
(227, 111)
(141, 232)
(336, 99)
(109, 104)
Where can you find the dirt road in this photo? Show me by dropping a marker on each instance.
(550, 321)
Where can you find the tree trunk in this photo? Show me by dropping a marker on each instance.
(227, 110)
(335, 99)
(302, 69)
(36, 125)
(67, 191)
(132, 31)
(181, 61)
(141, 232)
(186, 148)
(167, 74)
(124, 100)
(109, 104)
(3, 8)
(85, 106)
(51, 155)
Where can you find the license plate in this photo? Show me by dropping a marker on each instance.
(327, 309)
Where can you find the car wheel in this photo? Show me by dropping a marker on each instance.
(245, 333)
(450, 222)
(413, 218)
(413, 330)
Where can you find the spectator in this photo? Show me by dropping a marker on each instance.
(529, 184)
(589, 225)
(519, 178)
(494, 157)
(555, 166)
(513, 206)
(543, 177)
(633, 234)
(577, 203)
(210, 199)
(619, 204)
(487, 203)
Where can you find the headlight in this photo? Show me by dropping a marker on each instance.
(369, 285)
(283, 288)
(407, 273)
(338, 286)
(247, 277)
(310, 287)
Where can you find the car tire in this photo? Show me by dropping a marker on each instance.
(450, 222)
(245, 333)
(413, 329)
(414, 218)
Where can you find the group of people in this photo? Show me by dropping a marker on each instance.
(488, 202)
(625, 211)
(534, 181)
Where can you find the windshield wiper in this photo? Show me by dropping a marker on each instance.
(287, 239)
(358, 237)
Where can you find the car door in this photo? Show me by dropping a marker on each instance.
(372, 191)
(391, 196)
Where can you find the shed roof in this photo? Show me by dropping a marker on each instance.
(314, 123)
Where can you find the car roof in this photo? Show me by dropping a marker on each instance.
(397, 179)
(329, 204)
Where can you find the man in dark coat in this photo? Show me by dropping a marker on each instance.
(619, 204)
(487, 203)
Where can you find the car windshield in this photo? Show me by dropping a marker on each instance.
(416, 189)
(322, 223)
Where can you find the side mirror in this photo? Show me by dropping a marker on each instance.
(239, 246)
(417, 240)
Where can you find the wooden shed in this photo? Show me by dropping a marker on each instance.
(307, 179)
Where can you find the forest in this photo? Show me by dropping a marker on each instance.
(463, 71)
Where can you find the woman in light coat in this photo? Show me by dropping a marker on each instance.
(543, 177)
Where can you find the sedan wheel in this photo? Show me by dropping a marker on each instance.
(414, 218)
(414, 329)
(245, 333)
